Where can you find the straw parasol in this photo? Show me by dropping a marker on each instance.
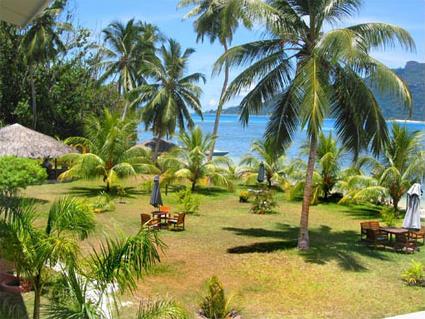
(17, 140)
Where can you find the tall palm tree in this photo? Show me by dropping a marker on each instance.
(42, 41)
(108, 150)
(309, 73)
(402, 163)
(126, 48)
(190, 160)
(172, 94)
(33, 250)
(273, 162)
(216, 22)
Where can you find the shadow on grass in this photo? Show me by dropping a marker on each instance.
(326, 245)
(211, 191)
(361, 212)
(129, 192)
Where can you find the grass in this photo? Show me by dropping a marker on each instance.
(255, 257)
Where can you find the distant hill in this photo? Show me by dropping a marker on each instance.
(413, 73)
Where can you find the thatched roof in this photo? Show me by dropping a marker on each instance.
(17, 140)
(164, 146)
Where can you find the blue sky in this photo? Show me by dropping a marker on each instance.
(96, 14)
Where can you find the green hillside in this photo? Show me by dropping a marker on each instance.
(413, 73)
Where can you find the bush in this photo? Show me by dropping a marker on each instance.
(244, 197)
(189, 203)
(389, 216)
(214, 304)
(103, 203)
(415, 274)
(16, 173)
(263, 203)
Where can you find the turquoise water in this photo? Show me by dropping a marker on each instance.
(236, 139)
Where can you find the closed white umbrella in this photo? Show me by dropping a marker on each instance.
(412, 219)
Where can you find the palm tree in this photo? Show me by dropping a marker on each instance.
(328, 158)
(273, 162)
(126, 49)
(401, 164)
(41, 42)
(33, 250)
(310, 73)
(91, 287)
(108, 150)
(217, 23)
(173, 93)
(190, 161)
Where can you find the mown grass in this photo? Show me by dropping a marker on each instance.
(255, 257)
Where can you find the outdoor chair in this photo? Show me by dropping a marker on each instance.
(404, 243)
(177, 221)
(364, 226)
(418, 234)
(375, 237)
(149, 222)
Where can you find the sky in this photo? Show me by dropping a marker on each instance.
(97, 14)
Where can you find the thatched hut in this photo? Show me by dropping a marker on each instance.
(17, 140)
(164, 146)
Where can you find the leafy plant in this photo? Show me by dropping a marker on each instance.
(103, 203)
(264, 202)
(18, 173)
(389, 216)
(188, 201)
(415, 274)
(214, 304)
(161, 309)
(244, 196)
(190, 162)
(108, 149)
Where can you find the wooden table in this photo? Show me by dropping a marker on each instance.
(396, 231)
(162, 216)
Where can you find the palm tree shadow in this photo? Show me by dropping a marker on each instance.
(12, 306)
(327, 245)
(129, 192)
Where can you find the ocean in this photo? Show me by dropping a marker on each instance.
(236, 139)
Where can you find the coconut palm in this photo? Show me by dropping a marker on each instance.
(172, 95)
(41, 42)
(126, 48)
(274, 162)
(108, 150)
(401, 165)
(309, 73)
(190, 161)
(217, 23)
(35, 250)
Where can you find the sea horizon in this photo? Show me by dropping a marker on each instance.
(236, 139)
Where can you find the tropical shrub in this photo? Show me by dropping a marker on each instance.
(263, 202)
(244, 196)
(214, 304)
(103, 203)
(389, 216)
(189, 162)
(189, 203)
(161, 309)
(415, 274)
(272, 160)
(16, 173)
(108, 149)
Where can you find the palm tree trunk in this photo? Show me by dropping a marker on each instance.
(156, 149)
(37, 296)
(193, 186)
(303, 239)
(33, 99)
(220, 103)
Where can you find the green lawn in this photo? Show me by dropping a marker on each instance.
(256, 259)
